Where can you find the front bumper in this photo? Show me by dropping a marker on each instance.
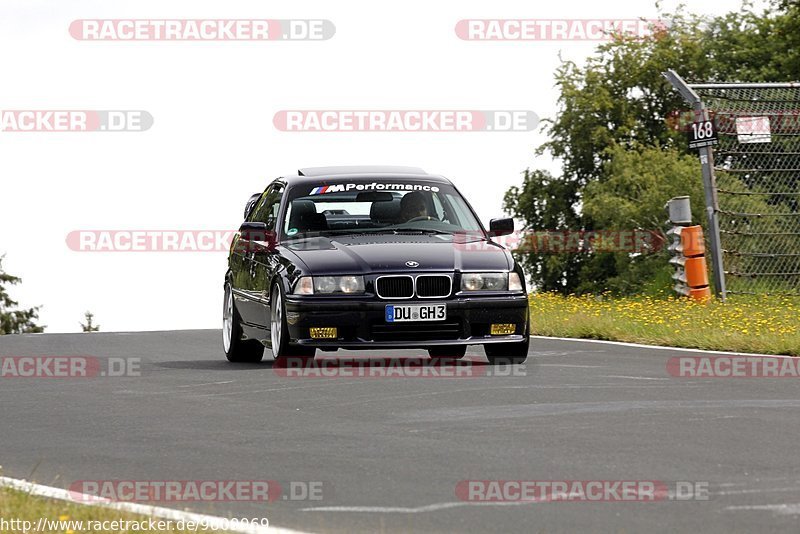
(361, 324)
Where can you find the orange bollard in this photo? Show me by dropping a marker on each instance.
(692, 241)
(700, 294)
(696, 272)
(694, 250)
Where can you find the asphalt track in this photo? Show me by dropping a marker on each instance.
(390, 451)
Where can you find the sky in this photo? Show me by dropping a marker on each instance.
(213, 141)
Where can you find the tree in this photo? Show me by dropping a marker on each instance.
(88, 326)
(619, 102)
(15, 321)
(637, 182)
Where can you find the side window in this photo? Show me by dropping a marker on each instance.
(267, 209)
(257, 207)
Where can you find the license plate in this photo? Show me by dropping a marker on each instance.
(415, 312)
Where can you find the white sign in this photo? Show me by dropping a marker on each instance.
(753, 130)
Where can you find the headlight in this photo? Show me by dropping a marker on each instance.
(325, 284)
(351, 284)
(309, 285)
(484, 282)
(514, 282)
(305, 286)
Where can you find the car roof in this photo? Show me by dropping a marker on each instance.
(359, 169)
(317, 174)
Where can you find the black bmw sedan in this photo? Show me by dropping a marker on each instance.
(367, 258)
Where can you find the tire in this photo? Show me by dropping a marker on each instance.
(452, 352)
(236, 349)
(509, 353)
(279, 331)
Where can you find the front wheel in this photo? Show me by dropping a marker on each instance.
(279, 331)
(236, 349)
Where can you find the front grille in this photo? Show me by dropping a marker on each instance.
(395, 287)
(415, 331)
(433, 286)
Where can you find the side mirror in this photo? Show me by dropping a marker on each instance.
(498, 227)
(250, 204)
(258, 237)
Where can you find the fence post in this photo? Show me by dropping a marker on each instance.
(709, 184)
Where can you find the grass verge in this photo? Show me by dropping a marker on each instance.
(768, 325)
(62, 517)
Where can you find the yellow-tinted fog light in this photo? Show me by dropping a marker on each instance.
(503, 329)
(324, 333)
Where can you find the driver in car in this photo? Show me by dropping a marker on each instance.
(414, 208)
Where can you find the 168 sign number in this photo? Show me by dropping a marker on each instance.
(703, 133)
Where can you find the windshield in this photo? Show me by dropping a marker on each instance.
(376, 206)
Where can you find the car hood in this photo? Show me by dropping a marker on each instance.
(389, 253)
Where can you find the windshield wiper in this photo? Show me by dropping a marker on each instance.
(422, 231)
(372, 231)
(359, 231)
